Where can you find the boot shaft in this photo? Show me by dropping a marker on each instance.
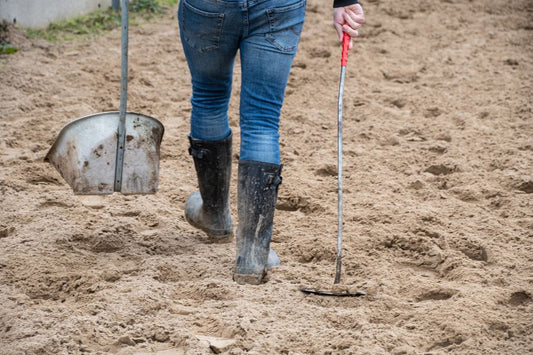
(258, 184)
(257, 192)
(212, 161)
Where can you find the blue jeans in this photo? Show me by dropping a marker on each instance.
(266, 32)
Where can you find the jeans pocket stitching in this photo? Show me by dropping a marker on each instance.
(201, 12)
(272, 19)
(287, 8)
(216, 35)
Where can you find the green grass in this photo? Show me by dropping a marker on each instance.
(5, 46)
(102, 21)
(153, 6)
(8, 48)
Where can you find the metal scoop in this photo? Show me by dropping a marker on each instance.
(110, 151)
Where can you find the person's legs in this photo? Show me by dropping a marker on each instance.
(210, 37)
(266, 57)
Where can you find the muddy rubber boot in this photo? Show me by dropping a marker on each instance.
(257, 195)
(208, 209)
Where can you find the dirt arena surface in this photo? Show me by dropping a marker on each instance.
(438, 196)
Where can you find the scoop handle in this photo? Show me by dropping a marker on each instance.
(121, 130)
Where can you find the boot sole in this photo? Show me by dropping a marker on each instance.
(214, 237)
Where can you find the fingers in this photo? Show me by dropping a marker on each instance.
(348, 20)
(349, 30)
(340, 31)
(354, 18)
(359, 11)
(356, 13)
(338, 20)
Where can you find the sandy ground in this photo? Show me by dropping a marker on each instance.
(438, 206)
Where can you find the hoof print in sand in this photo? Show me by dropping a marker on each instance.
(420, 250)
(401, 77)
(319, 53)
(297, 203)
(437, 295)
(54, 203)
(446, 344)
(60, 286)
(6, 231)
(398, 102)
(43, 180)
(476, 252)
(432, 112)
(442, 169)
(327, 170)
(526, 186)
(520, 298)
(311, 251)
(104, 240)
(470, 247)
(466, 194)
(438, 148)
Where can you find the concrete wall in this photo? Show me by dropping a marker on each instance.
(39, 13)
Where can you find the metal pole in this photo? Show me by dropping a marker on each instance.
(339, 177)
(344, 62)
(115, 4)
(123, 97)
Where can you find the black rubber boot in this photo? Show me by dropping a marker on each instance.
(257, 195)
(208, 209)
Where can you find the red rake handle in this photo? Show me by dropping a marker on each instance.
(345, 46)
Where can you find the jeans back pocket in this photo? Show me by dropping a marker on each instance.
(200, 29)
(286, 25)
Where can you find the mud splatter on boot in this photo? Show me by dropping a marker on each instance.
(257, 195)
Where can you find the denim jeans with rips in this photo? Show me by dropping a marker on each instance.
(266, 33)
